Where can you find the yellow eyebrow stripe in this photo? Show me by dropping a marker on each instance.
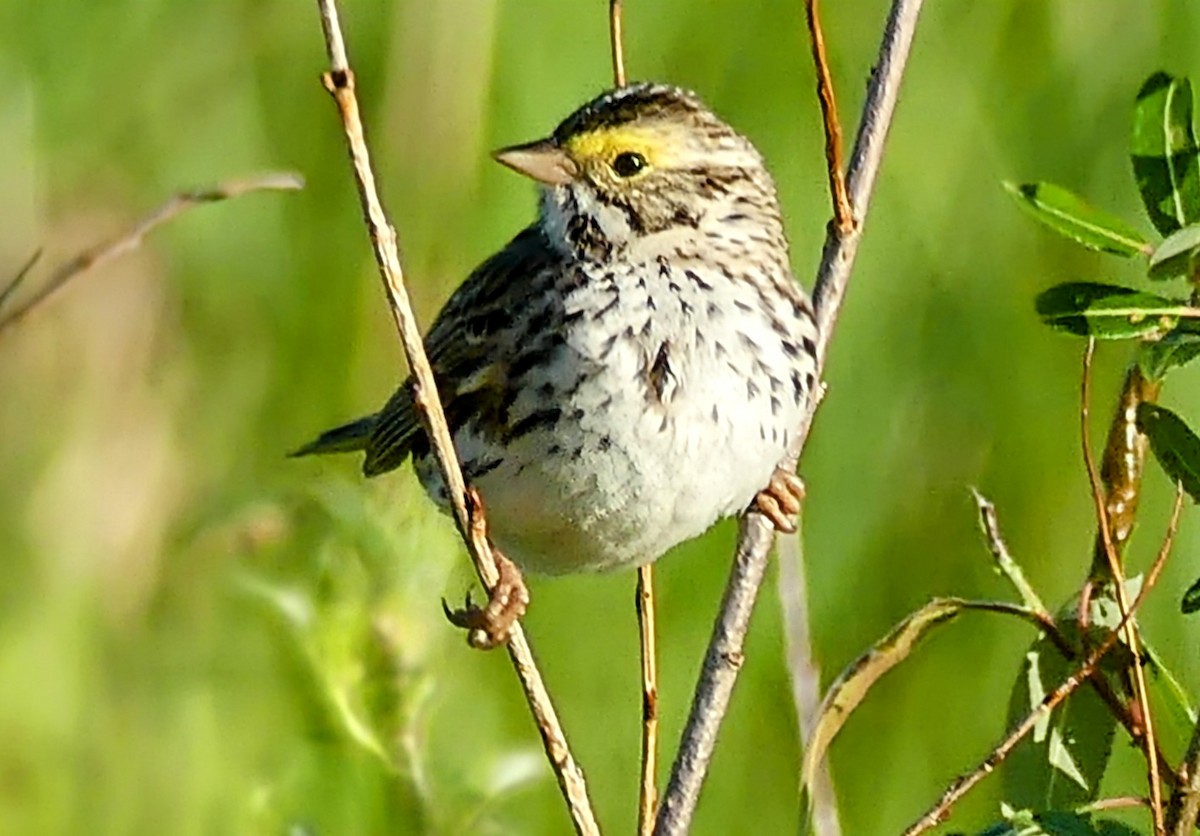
(607, 143)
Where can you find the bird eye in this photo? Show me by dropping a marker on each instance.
(628, 163)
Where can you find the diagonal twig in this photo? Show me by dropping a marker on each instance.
(1185, 801)
(132, 239)
(724, 655)
(843, 215)
(17, 280)
(938, 813)
(468, 513)
(1009, 567)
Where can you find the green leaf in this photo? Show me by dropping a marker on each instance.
(851, 687)
(1175, 349)
(1176, 256)
(1191, 599)
(1109, 312)
(1029, 823)
(1175, 446)
(1069, 215)
(1060, 765)
(1110, 827)
(1165, 153)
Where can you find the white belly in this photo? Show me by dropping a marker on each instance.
(623, 476)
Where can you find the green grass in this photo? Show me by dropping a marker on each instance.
(193, 626)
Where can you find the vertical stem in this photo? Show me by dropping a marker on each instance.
(1129, 632)
(648, 793)
(644, 598)
(616, 38)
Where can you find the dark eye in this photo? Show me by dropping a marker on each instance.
(628, 163)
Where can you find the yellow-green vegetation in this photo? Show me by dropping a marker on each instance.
(198, 635)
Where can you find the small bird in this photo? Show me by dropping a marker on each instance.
(630, 367)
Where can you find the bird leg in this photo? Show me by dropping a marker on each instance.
(489, 626)
(780, 500)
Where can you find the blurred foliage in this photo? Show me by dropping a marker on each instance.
(200, 636)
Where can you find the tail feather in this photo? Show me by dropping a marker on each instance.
(344, 439)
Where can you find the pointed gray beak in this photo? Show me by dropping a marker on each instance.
(542, 160)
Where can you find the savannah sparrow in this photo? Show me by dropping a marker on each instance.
(631, 366)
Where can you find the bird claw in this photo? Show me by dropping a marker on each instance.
(780, 501)
(489, 626)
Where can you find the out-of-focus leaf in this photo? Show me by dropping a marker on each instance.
(1175, 446)
(1176, 256)
(1029, 823)
(1109, 827)
(1111, 312)
(1191, 599)
(1067, 214)
(1060, 765)
(852, 685)
(1165, 152)
(1175, 349)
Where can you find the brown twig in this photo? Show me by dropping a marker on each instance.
(468, 514)
(648, 792)
(724, 656)
(22, 274)
(1185, 801)
(108, 250)
(1116, 803)
(644, 596)
(960, 787)
(843, 216)
(616, 39)
(1119, 707)
(1136, 673)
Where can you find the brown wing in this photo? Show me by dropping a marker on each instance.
(468, 347)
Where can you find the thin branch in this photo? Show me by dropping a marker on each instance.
(468, 514)
(941, 810)
(843, 215)
(108, 250)
(1004, 561)
(1120, 708)
(1117, 803)
(12, 286)
(1185, 802)
(806, 676)
(616, 39)
(724, 656)
(1138, 675)
(644, 595)
(648, 792)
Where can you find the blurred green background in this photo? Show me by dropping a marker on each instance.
(200, 636)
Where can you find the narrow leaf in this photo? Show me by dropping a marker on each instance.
(1177, 255)
(1175, 446)
(1191, 599)
(1175, 349)
(1068, 215)
(1165, 152)
(1109, 312)
(852, 685)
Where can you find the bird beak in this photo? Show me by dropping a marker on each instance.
(542, 160)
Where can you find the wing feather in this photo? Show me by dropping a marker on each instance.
(468, 348)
